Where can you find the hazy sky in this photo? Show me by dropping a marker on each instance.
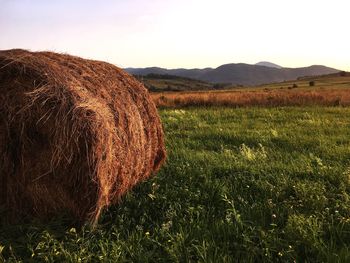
(183, 33)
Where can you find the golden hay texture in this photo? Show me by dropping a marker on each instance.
(75, 135)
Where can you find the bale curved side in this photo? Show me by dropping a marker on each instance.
(75, 134)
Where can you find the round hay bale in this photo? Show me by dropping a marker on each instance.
(75, 135)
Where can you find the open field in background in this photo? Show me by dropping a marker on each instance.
(332, 81)
(259, 184)
(328, 91)
(169, 83)
(259, 97)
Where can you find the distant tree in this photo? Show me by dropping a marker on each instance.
(342, 74)
(221, 85)
(295, 85)
(312, 83)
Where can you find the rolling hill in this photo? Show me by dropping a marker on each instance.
(160, 82)
(239, 74)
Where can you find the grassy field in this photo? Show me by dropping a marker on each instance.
(170, 83)
(247, 98)
(240, 185)
(328, 90)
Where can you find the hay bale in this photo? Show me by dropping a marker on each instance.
(75, 135)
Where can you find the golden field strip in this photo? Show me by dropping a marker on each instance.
(326, 92)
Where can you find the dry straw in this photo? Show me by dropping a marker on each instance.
(75, 135)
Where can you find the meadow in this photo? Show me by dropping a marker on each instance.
(251, 184)
(328, 90)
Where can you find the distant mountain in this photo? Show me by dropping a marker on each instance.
(268, 64)
(239, 74)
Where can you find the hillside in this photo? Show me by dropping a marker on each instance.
(239, 74)
(160, 83)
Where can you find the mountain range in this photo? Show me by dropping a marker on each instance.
(240, 74)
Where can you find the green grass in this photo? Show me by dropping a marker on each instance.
(249, 184)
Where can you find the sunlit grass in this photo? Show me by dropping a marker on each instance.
(248, 184)
(254, 97)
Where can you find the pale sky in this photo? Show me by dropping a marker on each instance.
(183, 33)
